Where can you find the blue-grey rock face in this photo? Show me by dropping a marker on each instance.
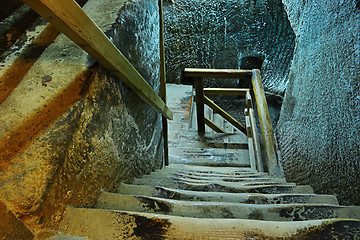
(136, 34)
(318, 130)
(223, 34)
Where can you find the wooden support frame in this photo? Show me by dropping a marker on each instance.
(256, 87)
(226, 91)
(265, 124)
(213, 125)
(224, 114)
(70, 19)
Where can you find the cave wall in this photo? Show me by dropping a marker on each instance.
(318, 131)
(222, 33)
(83, 131)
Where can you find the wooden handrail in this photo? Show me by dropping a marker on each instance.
(265, 124)
(226, 91)
(217, 73)
(69, 18)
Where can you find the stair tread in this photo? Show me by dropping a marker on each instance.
(258, 198)
(244, 178)
(228, 187)
(110, 224)
(68, 237)
(204, 169)
(200, 209)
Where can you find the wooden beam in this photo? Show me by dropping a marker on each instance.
(224, 114)
(70, 19)
(213, 126)
(218, 73)
(265, 124)
(226, 91)
(250, 141)
(163, 81)
(199, 98)
(256, 141)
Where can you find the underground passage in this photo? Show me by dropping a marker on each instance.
(178, 119)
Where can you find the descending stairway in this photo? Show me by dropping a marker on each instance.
(209, 191)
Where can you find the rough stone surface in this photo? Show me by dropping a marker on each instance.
(11, 227)
(229, 34)
(70, 129)
(318, 131)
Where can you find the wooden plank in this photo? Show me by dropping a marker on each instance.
(248, 98)
(70, 19)
(265, 124)
(218, 73)
(199, 96)
(213, 126)
(224, 114)
(226, 91)
(256, 141)
(250, 141)
(163, 81)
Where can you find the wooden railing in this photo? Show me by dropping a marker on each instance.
(68, 17)
(253, 77)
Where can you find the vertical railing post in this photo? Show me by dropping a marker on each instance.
(265, 124)
(254, 133)
(199, 97)
(163, 81)
(250, 140)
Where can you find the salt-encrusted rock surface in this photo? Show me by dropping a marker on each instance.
(69, 129)
(229, 34)
(318, 131)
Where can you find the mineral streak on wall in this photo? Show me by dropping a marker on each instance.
(69, 128)
(224, 34)
(319, 127)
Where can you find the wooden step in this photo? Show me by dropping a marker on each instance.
(255, 198)
(243, 178)
(212, 170)
(196, 209)
(64, 237)
(227, 187)
(211, 157)
(184, 183)
(107, 224)
(278, 188)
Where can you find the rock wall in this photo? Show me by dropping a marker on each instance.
(229, 34)
(70, 128)
(318, 131)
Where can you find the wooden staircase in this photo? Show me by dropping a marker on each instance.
(209, 193)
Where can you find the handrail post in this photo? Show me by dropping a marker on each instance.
(163, 81)
(254, 133)
(265, 124)
(199, 96)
